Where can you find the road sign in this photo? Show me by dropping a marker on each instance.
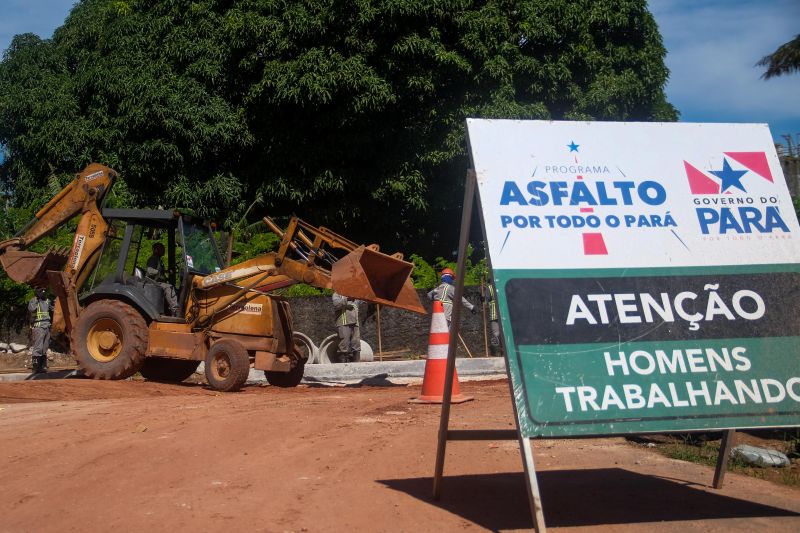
(648, 274)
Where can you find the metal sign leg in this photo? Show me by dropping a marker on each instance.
(722, 460)
(526, 449)
(466, 217)
(534, 496)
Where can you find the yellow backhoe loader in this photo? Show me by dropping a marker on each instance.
(115, 315)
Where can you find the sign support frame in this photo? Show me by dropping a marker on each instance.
(525, 443)
(445, 434)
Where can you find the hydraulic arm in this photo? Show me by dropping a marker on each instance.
(81, 195)
(308, 254)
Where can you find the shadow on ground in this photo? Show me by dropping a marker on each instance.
(56, 374)
(580, 498)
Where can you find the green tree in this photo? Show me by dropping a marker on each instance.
(350, 114)
(426, 275)
(784, 60)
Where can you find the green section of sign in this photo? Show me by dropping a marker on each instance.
(655, 386)
(576, 389)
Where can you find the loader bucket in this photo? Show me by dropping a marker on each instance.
(375, 277)
(31, 268)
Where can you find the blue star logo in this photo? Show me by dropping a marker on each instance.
(730, 178)
(572, 146)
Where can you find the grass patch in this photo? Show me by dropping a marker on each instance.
(705, 454)
(694, 449)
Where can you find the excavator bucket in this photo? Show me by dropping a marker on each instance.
(31, 268)
(375, 277)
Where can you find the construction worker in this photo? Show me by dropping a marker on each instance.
(494, 322)
(346, 310)
(444, 293)
(39, 309)
(155, 271)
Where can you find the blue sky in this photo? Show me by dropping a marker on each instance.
(712, 47)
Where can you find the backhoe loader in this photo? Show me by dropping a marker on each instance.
(114, 315)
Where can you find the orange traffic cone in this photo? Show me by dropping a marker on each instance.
(436, 363)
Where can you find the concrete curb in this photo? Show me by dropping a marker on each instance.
(367, 372)
(59, 374)
(389, 370)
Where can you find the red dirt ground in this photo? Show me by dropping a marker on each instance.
(80, 455)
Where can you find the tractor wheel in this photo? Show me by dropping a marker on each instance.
(168, 370)
(293, 377)
(227, 366)
(109, 340)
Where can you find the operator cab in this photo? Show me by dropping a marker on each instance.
(121, 268)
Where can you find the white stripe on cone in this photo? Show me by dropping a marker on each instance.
(437, 351)
(439, 326)
(439, 323)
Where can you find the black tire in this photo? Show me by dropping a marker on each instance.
(227, 366)
(293, 377)
(168, 370)
(109, 340)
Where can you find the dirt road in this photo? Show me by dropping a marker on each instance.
(82, 455)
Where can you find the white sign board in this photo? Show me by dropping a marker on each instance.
(645, 274)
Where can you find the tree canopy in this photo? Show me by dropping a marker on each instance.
(349, 113)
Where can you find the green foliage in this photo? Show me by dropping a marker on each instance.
(426, 275)
(701, 453)
(302, 289)
(349, 113)
(784, 60)
(13, 296)
(254, 245)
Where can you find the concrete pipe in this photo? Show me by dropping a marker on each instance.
(305, 341)
(327, 350)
